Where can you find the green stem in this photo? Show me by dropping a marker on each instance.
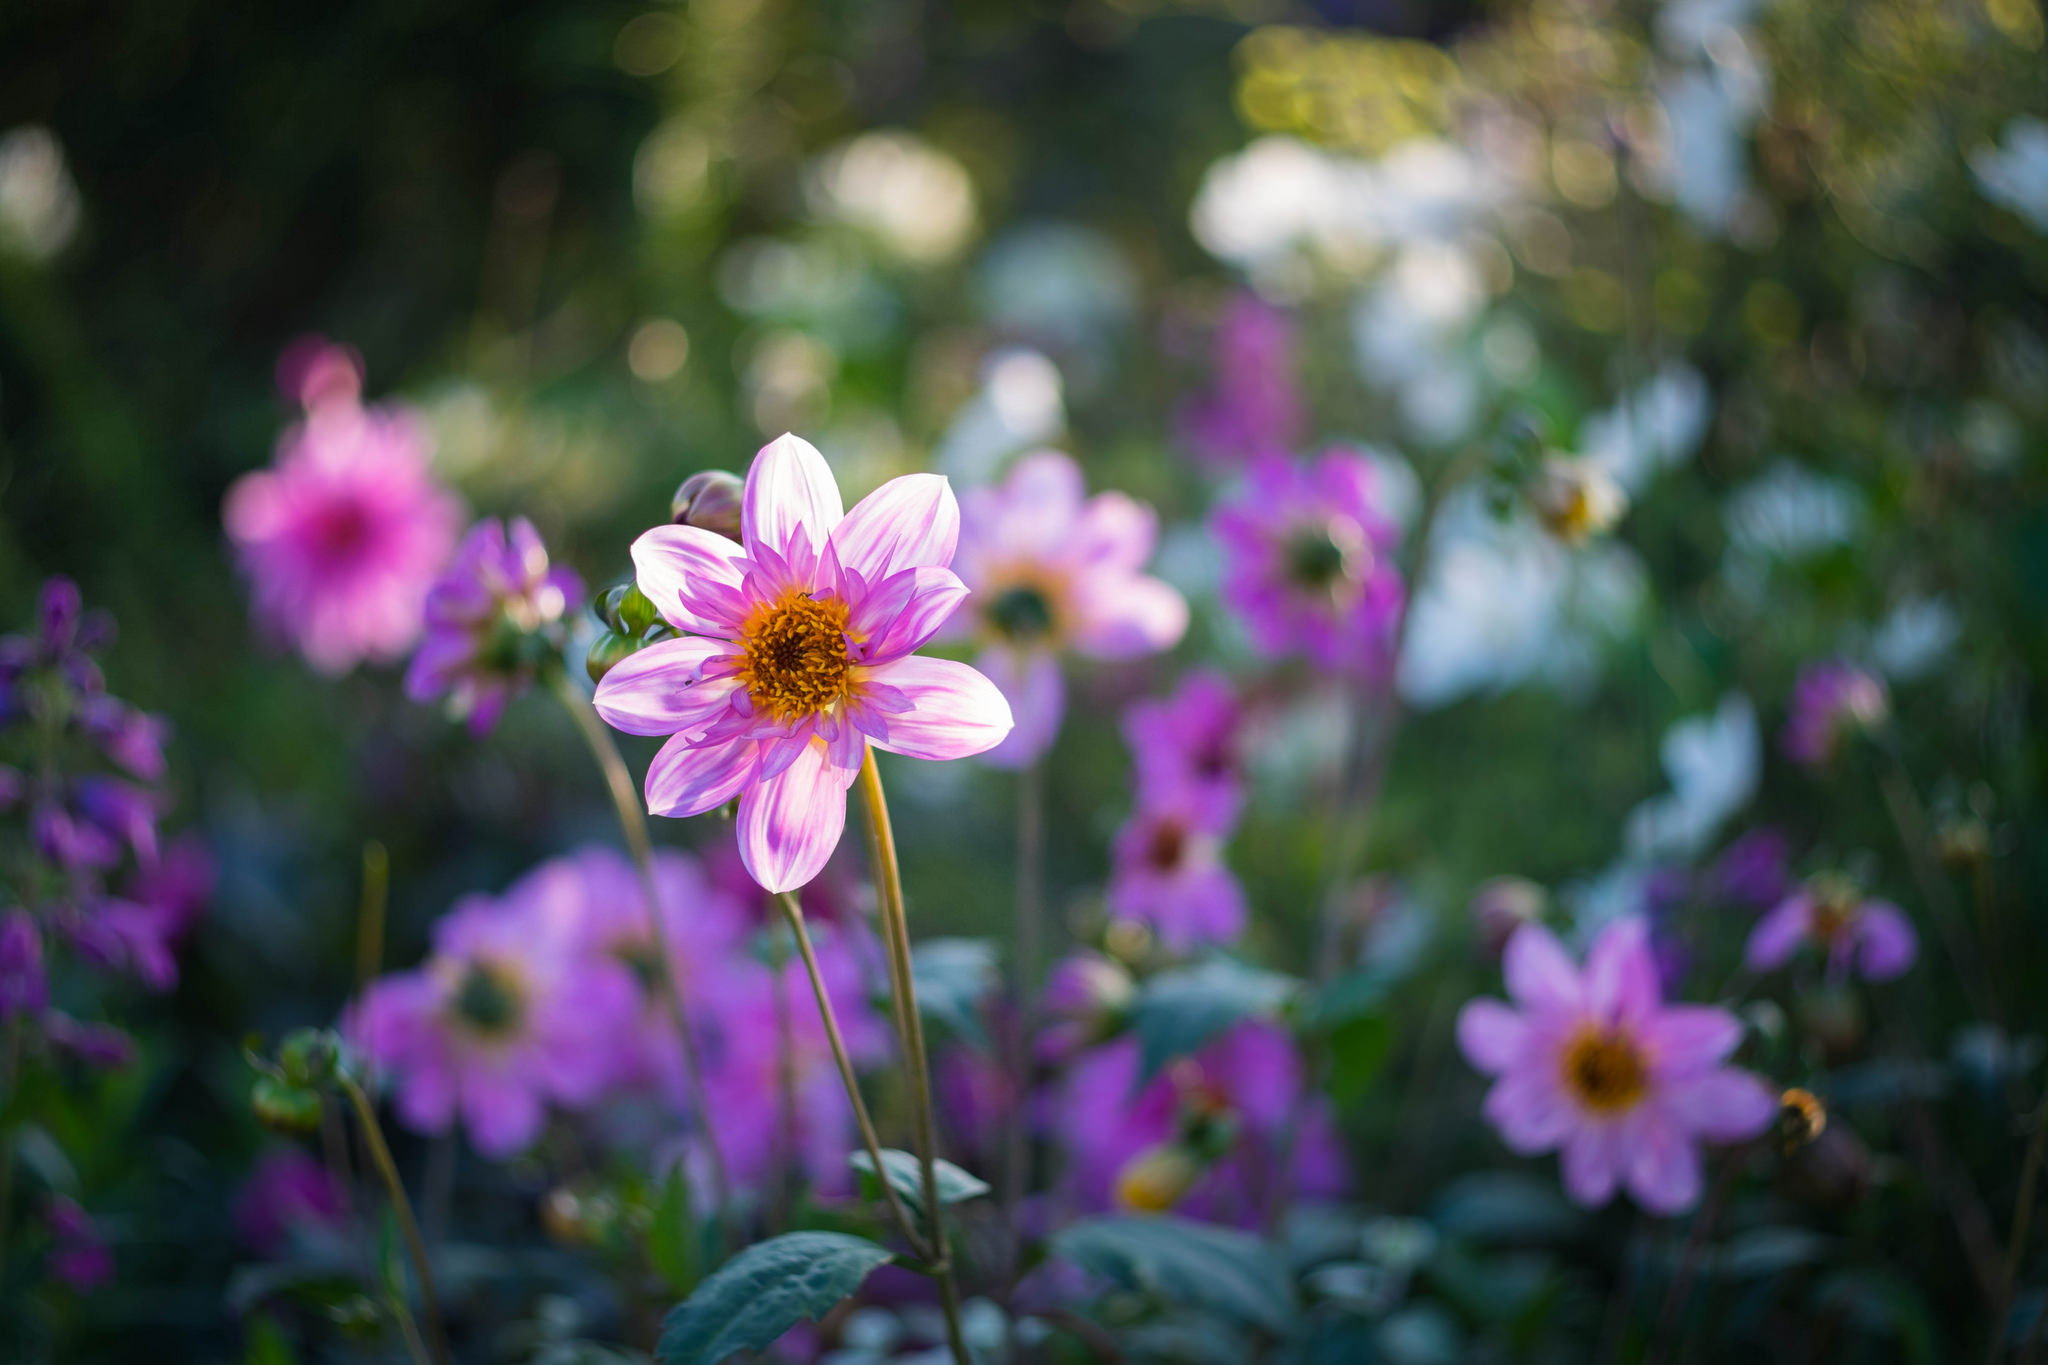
(1030, 948)
(896, 934)
(633, 824)
(1910, 820)
(793, 913)
(416, 1246)
(2022, 1220)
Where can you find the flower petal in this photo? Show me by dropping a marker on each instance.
(1726, 1104)
(1778, 935)
(955, 712)
(1687, 1038)
(1127, 616)
(660, 690)
(791, 496)
(788, 826)
(904, 611)
(1031, 682)
(1114, 531)
(1530, 1111)
(1663, 1165)
(1885, 942)
(1592, 1164)
(692, 576)
(688, 777)
(1491, 1035)
(1621, 973)
(1540, 974)
(912, 522)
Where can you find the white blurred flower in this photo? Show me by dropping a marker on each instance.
(1915, 638)
(39, 208)
(1791, 513)
(915, 199)
(2015, 175)
(1660, 425)
(1412, 329)
(1021, 404)
(1713, 763)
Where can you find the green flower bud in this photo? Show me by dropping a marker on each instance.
(636, 613)
(308, 1056)
(710, 500)
(284, 1107)
(606, 651)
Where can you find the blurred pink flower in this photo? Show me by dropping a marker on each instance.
(1167, 870)
(1188, 743)
(488, 621)
(1053, 570)
(508, 1014)
(1871, 937)
(1831, 702)
(1254, 404)
(1308, 561)
(341, 537)
(287, 1194)
(1596, 1064)
(1087, 998)
(799, 655)
(1236, 1098)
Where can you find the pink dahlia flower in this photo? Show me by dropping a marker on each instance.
(1254, 404)
(341, 537)
(509, 1014)
(1831, 702)
(1167, 870)
(1871, 937)
(1594, 1063)
(798, 653)
(491, 617)
(1189, 742)
(1308, 561)
(1053, 570)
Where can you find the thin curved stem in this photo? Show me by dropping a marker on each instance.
(416, 1246)
(1026, 965)
(633, 824)
(896, 933)
(793, 913)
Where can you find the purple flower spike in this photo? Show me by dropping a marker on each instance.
(78, 1256)
(24, 989)
(1592, 1062)
(1254, 406)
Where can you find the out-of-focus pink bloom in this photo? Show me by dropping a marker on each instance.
(96, 1045)
(1053, 570)
(1087, 996)
(121, 810)
(508, 1015)
(799, 654)
(1188, 743)
(1308, 561)
(976, 1103)
(78, 1254)
(1167, 872)
(1254, 405)
(141, 931)
(1596, 1064)
(24, 988)
(492, 618)
(1235, 1100)
(1831, 702)
(1872, 938)
(287, 1195)
(1755, 869)
(342, 536)
(131, 738)
(313, 372)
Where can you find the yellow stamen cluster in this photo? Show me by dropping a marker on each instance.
(794, 662)
(1605, 1071)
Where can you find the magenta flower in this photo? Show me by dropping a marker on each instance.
(1308, 561)
(1755, 868)
(799, 654)
(1596, 1064)
(1254, 405)
(78, 1254)
(492, 618)
(508, 1015)
(1871, 937)
(288, 1195)
(1189, 743)
(1832, 702)
(1167, 870)
(342, 536)
(24, 986)
(1228, 1107)
(1052, 571)
(1087, 998)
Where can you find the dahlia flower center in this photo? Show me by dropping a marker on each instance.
(341, 529)
(1831, 917)
(1322, 558)
(795, 660)
(1022, 613)
(488, 999)
(1605, 1070)
(1167, 847)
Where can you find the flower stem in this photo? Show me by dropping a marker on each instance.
(1688, 1260)
(794, 914)
(1910, 820)
(1025, 967)
(633, 824)
(896, 934)
(380, 1157)
(2022, 1220)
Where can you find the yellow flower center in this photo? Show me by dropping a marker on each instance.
(1605, 1070)
(795, 663)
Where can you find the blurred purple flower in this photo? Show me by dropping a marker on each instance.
(1188, 742)
(24, 988)
(1232, 1105)
(1167, 871)
(802, 654)
(78, 1255)
(1831, 702)
(342, 536)
(1086, 998)
(1052, 570)
(1755, 869)
(287, 1195)
(1596, 1064)
(1873, 938)
(96, 1045)
(130, 738)
(507, 1015)
(1308, 561)
(489, 619)
(1254, 404)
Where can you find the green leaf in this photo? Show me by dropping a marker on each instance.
(1351, 995)
(1358, 1053)
(905, 1173)
(763, 1292)
(1222, 1270)
(1180, 1010)
(672, 1238)
(953, 976)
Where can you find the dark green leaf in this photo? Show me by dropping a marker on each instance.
(763, 1292)
(672, 1239)
(1355, 993)
(1178, 1011)
(1506, 1207)
(905, 1173)
(953, 976)
(1220, 1269)
(1358, 1053)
